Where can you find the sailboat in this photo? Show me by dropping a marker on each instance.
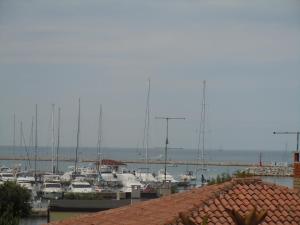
(70, 175)
(99, 142)
(201, 140)
(143, 174)
(77, 140)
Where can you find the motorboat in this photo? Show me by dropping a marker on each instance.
(7, 176)
(5, 169)
(51, 178)
(52, 190)
(25, 184)
(187, 178)
(161, 177)
(146, 177)
(24, 176)
(109, 177)
(128, 180)
(80, 187)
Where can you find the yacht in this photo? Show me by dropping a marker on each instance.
(187, 178)
(80, 187)
(51, 178)
(52, 190)
(7, 176)
(67, 176)
(128, 180)
(25, 176)
(109, 177)
(145, 177)
(26, 184)
(161, 177)
(4, 169)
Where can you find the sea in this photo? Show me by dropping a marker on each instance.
(84, 153)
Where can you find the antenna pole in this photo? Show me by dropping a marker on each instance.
(167, 138)
(297, 133)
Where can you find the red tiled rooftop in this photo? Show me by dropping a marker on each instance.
(282, 205)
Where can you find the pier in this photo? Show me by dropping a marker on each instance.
(169, 162)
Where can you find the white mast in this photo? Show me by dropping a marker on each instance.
(58, 139)
(147, 125)
(203, 122)
(14, 135)
(78, 131)
(201, 137)
(35, 145)
(53, 141)
(99, 142)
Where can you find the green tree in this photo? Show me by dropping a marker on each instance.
(7, 217)
(14, 203)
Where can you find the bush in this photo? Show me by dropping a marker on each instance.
(242, 174)
(14, 203)
(220, 179)
(7, 217)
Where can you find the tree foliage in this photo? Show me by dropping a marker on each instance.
(14, 203)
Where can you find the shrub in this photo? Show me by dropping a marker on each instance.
(14, 203)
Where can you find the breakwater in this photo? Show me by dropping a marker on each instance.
(172, 162)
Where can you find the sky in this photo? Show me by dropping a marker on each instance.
(103, 52)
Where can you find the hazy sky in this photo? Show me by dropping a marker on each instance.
(104, 51)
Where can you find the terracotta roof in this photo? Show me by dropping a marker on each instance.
(282, 205)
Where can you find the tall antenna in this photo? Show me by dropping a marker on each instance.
(78, 131)
(53, 141)
(58, 139)
(297, 133)
(167, 138)
(35, 145)
(99, 141)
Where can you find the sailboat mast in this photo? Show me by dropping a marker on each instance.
(31, 133)
(201, 137)
(58, 138)
(99, 140)
(203, 124)
(78, 131)
(14, 135)
(23, 141)
(147, 123)
(53, 141)
(35, 145)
